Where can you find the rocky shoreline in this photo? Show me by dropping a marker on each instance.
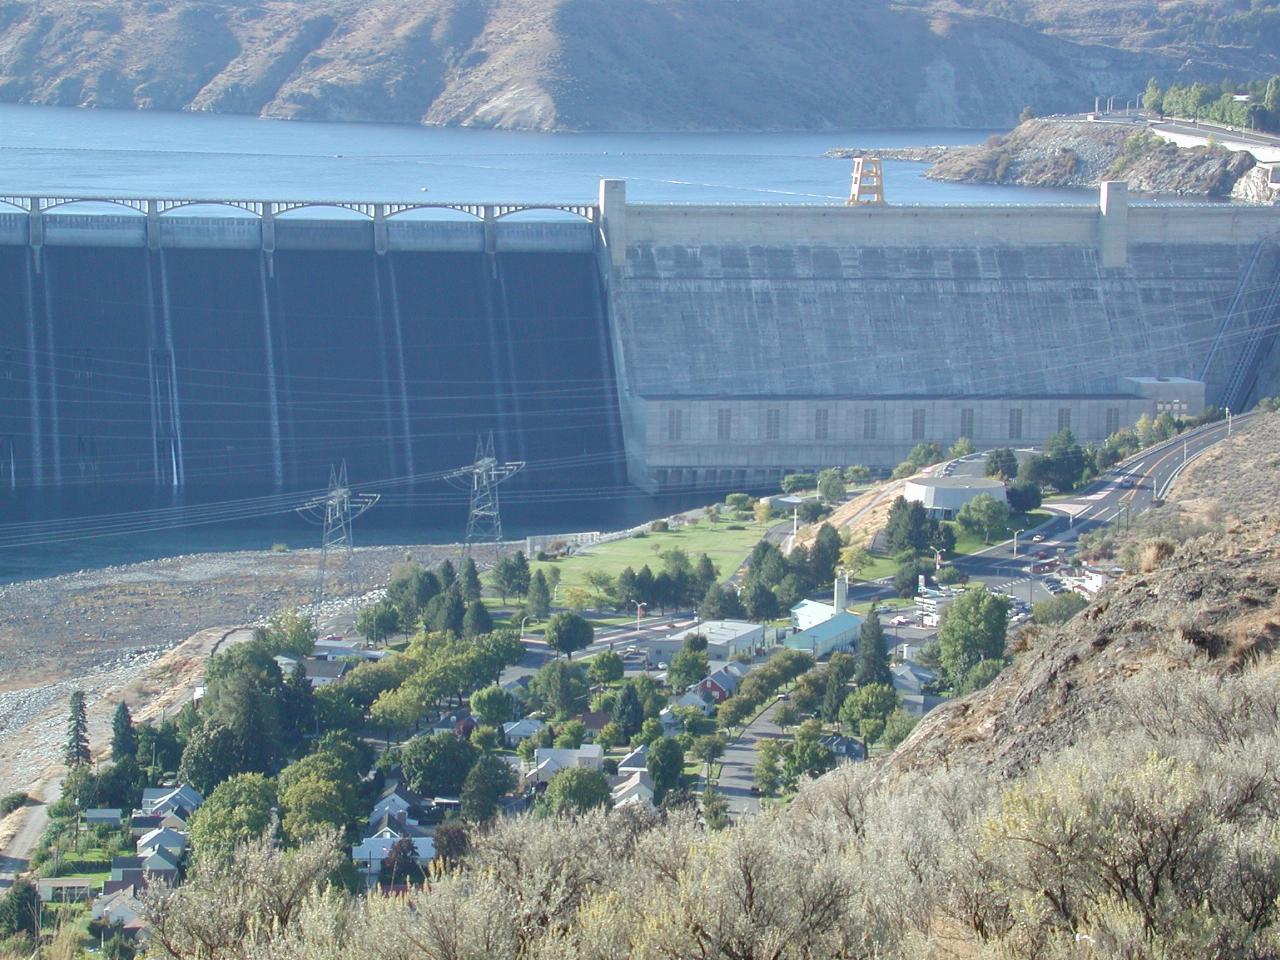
(921, 154)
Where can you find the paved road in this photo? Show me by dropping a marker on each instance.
(16, 855)
(1219, 132)
(738, 771)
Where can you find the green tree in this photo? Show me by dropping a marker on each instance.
(798, 481)
(289, 632)
(873, 701)
(378, 621)
(963, 447)
(409, 591)
(785, 716)
(715, 809)
(470, 580)
(492, 705)
(738, 502)
(825, 554)
(606, 667)
(487, 782)
(984, 514)
(476, 622)
(568, 632)
(437, 764)
(297, 705)
(610, 736)
(687, 668)
(571, 735)
(1063, 462)
(873, 659)
(768, 770)
(314, 804)
(833, 697)
(1023, 496)
(1152, 98)
(538, 600)
(20, 911)
(560, 686)
(576, 790)
(238, 810)
(76, 751)
(831, 486)
(1003, 463)
(979, 675)
(807, 756)
(1058, 609)
(665, 764)
(907, 527)
(628, 712)
(973, 629)
(124, 739)
(721, 603)
(759, 602)
(448, 574)
(212, 754)
(855, 559)
(897, 727)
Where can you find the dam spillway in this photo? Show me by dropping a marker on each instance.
(717, 346)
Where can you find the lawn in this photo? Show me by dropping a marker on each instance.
(727, 549)
(967, 543)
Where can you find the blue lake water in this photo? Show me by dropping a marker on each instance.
(76, 153)
(70, 152)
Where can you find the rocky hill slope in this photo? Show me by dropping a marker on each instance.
(1052, 153)
(1208, 605)
(587, 64)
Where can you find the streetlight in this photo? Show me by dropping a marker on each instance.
(639, 610)
(1015, 540)
(522, 623)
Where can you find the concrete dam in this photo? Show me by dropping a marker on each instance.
(178, 342)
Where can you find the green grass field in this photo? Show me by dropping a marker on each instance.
(967, 543)
(726, 548)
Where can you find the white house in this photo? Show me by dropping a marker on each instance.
(637, 788)
(183, 795)
(697, 698)
(163, 838)
(810, 613)
(369, 854)
(395, 800)
(726, 639)
(635, 761)
(517, 731)
(119, 907)
(548, 761)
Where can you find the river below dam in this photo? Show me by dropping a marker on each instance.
(60, 152)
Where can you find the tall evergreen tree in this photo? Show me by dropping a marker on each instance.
(873, 661)
(628, 712)
(833, 698)
(124, 740)
(447, 574)
(476, 622)
(538, 601)
(298, 709)
(76, 751)
(470, 581)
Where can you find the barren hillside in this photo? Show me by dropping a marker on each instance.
(596, 64)
(1208, 605)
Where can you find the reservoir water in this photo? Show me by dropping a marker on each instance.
(76, 153)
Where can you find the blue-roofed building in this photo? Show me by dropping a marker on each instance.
(838, 633)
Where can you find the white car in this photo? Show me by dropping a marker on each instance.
(1038, 538)
(900, 621)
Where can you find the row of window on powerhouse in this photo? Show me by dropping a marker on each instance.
(821, 423)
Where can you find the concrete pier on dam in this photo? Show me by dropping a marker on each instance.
(177, 341)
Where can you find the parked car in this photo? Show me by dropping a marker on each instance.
(1038, 537)
(1042, 554)
(900, 621)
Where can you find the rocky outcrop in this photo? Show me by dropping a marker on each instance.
(1057, 153)
(564, 64)
(1210, 605)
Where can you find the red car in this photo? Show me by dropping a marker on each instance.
(1041, 555)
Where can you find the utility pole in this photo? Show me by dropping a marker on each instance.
(484, 522)
(334, 511)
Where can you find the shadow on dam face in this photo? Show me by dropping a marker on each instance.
(128, 365)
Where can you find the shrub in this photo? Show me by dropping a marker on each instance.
(660, 526)
(12, 802)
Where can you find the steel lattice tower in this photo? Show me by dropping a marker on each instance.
(335, 511)
(484, 522)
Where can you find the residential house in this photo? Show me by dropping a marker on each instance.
(460, 723)
(918, 704)
(637, 788)
(548, 761)
(840, 632)
(157, 860)
(335, 648)
(722, 684)
(594, 721)
(845, 749)
(517, 731)
(119, 907)
(671, 724)
(184, 795)
(911, 679)
(370, 853)
(141, 823)
(634, 761)
(103, 817)
(321, 673)
(697, 698)
(163, 838)
(395, 800)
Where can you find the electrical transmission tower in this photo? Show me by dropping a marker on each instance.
(335, 511)
(484, 523)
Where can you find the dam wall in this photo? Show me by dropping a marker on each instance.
(177, 342)
(758, 340)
